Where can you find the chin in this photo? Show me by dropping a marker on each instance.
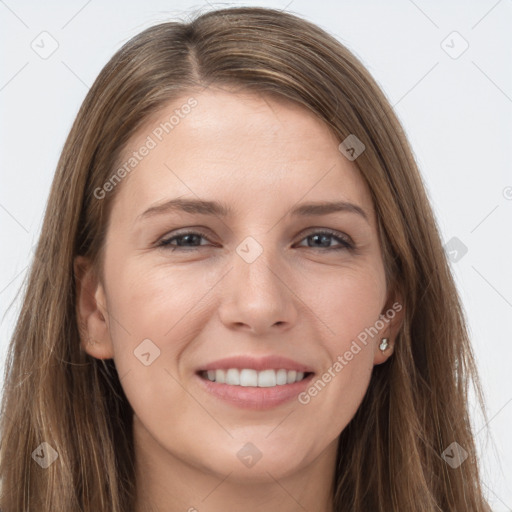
(250, 462)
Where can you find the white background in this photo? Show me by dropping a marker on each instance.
(457, 113)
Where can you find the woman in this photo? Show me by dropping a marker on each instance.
(190, 337)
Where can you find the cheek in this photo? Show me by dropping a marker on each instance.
(155, 300)
(157, 311)
(347, 301)
(348, 305)
(154, 315)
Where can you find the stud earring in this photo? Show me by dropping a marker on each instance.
(384, 344)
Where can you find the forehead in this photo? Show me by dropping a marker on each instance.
(239, 148)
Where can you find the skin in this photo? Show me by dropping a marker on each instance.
(262, 157)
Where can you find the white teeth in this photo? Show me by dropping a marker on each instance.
(291, 376)
(249, 377)
(281, 377)
(233, 377)
(267, 379)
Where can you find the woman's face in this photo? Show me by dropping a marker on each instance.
(211, 253)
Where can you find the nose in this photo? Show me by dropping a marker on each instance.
(257, 296)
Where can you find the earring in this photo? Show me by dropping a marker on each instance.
(384, 343)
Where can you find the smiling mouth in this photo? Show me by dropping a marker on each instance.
(247, 377)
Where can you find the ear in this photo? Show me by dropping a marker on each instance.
(392, 317)
(91, 311)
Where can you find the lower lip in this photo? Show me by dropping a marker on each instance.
(250, 397)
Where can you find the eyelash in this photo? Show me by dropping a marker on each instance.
(345, 244)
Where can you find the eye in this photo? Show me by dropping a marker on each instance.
(321, 240)
(183, 239)
(190, 240)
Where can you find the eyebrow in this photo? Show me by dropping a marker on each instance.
(219, 209)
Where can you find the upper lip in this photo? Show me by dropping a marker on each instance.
(257, 363)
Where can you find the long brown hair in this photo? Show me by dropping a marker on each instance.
(390, 454)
